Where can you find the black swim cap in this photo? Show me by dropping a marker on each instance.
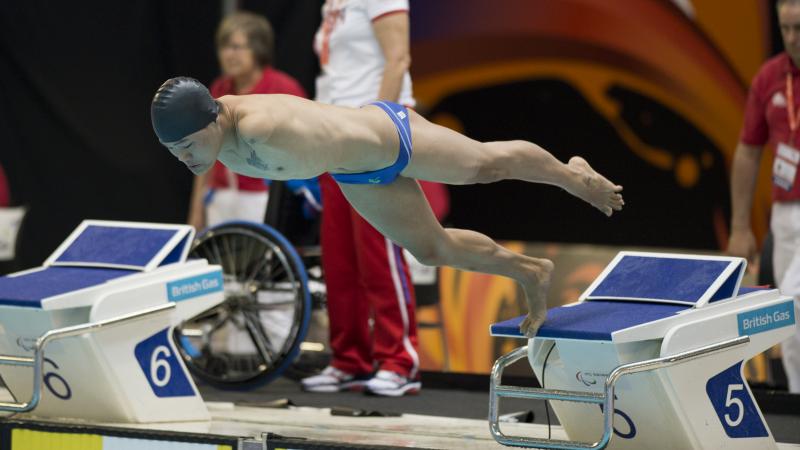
(180, 107)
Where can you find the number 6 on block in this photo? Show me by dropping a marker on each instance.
(161, 368)
(157, 363)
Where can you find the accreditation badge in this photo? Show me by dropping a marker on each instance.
(784, 168)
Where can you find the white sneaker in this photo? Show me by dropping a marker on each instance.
(392, 384)
(334, 380)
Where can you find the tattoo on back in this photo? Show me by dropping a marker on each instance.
(256, 162)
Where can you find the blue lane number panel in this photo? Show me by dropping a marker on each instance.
(158, 360)
(734, 404)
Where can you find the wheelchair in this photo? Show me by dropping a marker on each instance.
(254, 335)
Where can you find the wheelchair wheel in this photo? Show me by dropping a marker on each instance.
(255, 334)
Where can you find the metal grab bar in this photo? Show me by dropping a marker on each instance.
(37, 361)
(498, 390)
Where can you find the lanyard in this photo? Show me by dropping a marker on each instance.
(793, 119)
(332, 11)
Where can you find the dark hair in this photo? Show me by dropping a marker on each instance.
(780, 3)
(180, 107)
(259, 34)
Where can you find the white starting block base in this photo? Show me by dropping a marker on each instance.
(658, 340)
(90, 333)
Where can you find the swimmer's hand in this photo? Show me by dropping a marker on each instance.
(742, 243)
(531, 323)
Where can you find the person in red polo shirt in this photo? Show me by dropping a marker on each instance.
(771, 120)
(245, 52)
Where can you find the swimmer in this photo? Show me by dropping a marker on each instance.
(283, 137)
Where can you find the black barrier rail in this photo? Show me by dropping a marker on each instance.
(276, 442)
(47, 431)
(20, 434)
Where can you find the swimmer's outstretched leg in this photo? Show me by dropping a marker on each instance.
(443, 155)
(400, 211)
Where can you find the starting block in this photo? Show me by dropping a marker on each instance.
(651, 356)
(89, 334)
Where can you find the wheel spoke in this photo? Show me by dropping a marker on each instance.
(217, 324)
(265, 259)
(215, 249)
(209, 256)
(252, 247)
(226, 244)
(240, 241)
(259, 337)
(277, 268)
(252, 263)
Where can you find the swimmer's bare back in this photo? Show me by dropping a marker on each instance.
(286, 137)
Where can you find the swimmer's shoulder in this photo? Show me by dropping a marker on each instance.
(274, 105)
(254, 126)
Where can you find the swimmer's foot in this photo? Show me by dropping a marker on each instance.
(594, 188)
(536, 297)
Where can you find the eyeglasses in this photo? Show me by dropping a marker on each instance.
(234, 47)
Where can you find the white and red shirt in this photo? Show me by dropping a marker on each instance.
(766, 116)
(350, 56)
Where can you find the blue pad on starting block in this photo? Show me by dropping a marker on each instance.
(666, 278)
(637, 288)
(595, 320)
(124, 246)
(29, 289)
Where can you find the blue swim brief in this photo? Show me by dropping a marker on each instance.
(399, 115)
